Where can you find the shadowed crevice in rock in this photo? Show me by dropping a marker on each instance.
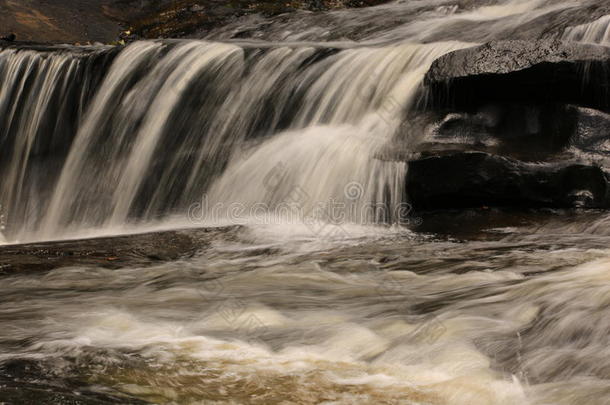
(476, 179)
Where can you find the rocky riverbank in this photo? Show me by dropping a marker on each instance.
(519, 124)
(106, 21)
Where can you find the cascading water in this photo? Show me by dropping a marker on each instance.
(407, 21)
(42, 100)
(104, 140)
(597, 32)
(169, 117)
(351, 111)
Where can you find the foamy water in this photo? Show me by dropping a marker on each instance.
(282, 302)
(265, 316)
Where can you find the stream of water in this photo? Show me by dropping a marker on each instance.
(291, 305)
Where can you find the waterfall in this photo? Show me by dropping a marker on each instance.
(43, 97)
(103, 137)
(597, 32)
(353, 110)
(177, 121)
(313, 135)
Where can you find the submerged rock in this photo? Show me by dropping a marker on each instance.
(30, 382)
(546, 71)
(477, 179)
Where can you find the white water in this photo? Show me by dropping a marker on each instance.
(405, 21)
(498, 18)
(391, 319)
(341, 139)
(172, 119)
(37, 94)
(597, 32)
(279, 311)
(351, 104)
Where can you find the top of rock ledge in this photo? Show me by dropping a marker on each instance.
(502, 57)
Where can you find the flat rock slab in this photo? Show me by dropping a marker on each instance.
(109, 252)
(501, 57)
(45, 48)
(528, 71)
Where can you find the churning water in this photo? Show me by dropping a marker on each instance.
(285, 308)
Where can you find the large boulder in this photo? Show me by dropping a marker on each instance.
(546, 71)
(477, 179)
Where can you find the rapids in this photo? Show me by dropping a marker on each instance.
(286, 301)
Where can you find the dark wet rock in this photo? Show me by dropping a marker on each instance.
(552, 133)
(592, 133)
(489, 223)
(502, 57)
(18, 392)
(108, 252)
(536, 72)
(478, 179)
(28, 382)
(171, 19)
(534, 133)
(472, 128)
(521, 131)
(9, 38)
(61, 21)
